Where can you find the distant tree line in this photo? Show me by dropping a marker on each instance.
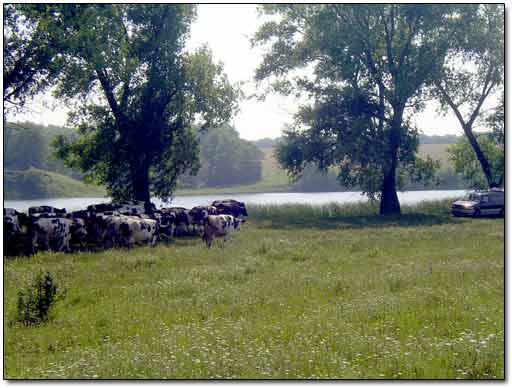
(27, 145)
(225, 159)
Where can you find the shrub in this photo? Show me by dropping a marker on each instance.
(35, 302)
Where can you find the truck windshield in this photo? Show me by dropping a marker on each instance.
(471, 197)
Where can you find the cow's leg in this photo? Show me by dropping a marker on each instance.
(46, 242)
(35, 244)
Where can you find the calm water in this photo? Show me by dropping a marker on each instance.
(189, 201)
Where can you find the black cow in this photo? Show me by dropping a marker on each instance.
(46, 209)
(231, 207)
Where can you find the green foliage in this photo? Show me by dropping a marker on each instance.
(137, 138)
(467, 165)
(371, 64)
(31, 60)
(312, 179)
(28, 144)
(35, 302)
(496, 121)
(226, 159)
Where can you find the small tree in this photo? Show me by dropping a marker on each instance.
(35, 302)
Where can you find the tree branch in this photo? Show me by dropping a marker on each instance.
(109, 93)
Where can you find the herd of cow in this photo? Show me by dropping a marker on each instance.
(108, 225)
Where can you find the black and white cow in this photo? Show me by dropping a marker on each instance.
(57, 234)
(17, 226)
(231, 207)
(199, 213)
(220, 226)
(127, 231)
(166, 224)
(46, 209)
(183, 220)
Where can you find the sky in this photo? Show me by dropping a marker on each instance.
(226, 29)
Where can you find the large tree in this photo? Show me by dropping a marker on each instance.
(370, 65)
(136, 93)
(473, 71)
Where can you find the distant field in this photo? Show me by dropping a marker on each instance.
(436, 151)
(301, 292)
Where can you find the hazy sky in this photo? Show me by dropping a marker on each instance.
(226, 28)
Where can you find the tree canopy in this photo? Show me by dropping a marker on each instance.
(370, 67)
(136, 93)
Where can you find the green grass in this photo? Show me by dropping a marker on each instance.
(301, 292)
(36, 183)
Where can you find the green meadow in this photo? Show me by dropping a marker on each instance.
(331, 292)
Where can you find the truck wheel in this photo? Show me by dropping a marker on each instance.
(477, 213)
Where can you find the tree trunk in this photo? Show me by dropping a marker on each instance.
(140, 178)
(484, 163)
(389, 203)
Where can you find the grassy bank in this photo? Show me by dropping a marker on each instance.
(36, 183)
(301, 292)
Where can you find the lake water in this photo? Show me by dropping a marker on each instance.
(189, 201)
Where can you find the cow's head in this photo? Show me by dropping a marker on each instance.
(238, 223)
(78, 230)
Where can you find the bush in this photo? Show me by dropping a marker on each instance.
(35, 302)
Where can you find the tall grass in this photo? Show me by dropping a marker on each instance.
(359, 214)
(392, 300)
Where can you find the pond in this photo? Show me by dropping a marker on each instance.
(189, 201)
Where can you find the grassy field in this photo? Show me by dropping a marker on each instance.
(301, 292)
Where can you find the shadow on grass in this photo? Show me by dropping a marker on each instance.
(358, 215)
(361, 221)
